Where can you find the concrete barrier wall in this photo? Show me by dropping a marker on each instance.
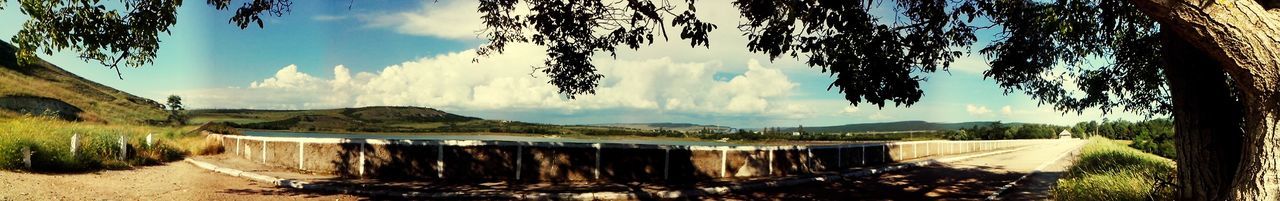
(472, 161)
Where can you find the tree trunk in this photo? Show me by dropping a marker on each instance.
(1245, 39)
(1208, 121)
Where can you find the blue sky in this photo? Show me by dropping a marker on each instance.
(327, 54)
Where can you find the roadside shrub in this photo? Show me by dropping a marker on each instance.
(1106, 170)
(99, 148)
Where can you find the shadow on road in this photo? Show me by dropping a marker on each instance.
(935, 182)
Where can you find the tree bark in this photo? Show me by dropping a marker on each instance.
(1245, 39)
(1208, 121)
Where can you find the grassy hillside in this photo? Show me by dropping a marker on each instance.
(1109, 170)
(890, 126)
(43, 88)
(682, 127)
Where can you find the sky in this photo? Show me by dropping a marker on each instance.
(333, 54)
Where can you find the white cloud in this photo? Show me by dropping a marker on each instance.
(456, 19)
(850, 109)
(324, 18)
(1006, 110)
(971, 63)
(977, 110)
(879, 116)
(454, 82)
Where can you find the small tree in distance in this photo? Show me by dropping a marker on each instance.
(175, 110)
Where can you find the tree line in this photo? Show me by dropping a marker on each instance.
(1152, 136)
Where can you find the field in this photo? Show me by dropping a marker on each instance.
(1109, 170)
(49, 141)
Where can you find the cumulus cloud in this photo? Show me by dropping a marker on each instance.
(976, 110)
(850, 109)
(502, 82)
(879, 116)
(456, 19)
(1006, 110)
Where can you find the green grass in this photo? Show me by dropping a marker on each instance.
(1109, 170)
(98, 147)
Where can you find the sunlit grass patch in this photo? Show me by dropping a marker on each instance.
(1108, 170)
(99, 147)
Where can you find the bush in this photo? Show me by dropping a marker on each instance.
(98, 147)
(1106, 170)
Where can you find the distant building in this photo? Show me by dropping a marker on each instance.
(1064, 134)
(797, 133)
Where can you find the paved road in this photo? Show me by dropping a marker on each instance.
(971, 179)
(172, 181)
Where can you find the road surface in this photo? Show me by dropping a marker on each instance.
(173, 181)
(970, 179)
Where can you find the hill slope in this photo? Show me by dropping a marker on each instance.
(381, 118)
(892, 126)
(44, 88)
(682, 127)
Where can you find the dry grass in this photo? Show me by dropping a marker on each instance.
(98, 145)
(1109, 170)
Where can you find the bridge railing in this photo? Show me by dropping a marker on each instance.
(477, 160)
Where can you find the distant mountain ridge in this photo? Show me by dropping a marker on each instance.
(685, 127)
(341, 119)
(892, 126)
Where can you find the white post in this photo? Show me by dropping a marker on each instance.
(900, 154)
(597, 169)
(813, 164)
(26, 156)
(440, 160)
(237, 146)
(264, 152)
(915, 152)
(840, 156)
(301, 157)
(149, 141)
(75, 144)
(883, 151)
(666, 163)
(724, 163)
(519, 160)
(124, 148)
(361, 163)
(862, 161)
(771, 150)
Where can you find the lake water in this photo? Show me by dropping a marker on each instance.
(486, 137)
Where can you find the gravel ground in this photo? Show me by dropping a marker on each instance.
(172, 181)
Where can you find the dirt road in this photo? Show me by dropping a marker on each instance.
(172, 181)
(971, 179)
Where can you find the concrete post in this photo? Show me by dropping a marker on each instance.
(666, 163)
(840, 156)
(361, 163)
(149, 141)
(901, 156)
(75, 144)
(862, 161)
(724, 163)
(771, 150)
(264, 152)
(124, 148)
(884, 150)
(237, 146)
(440, 160)
(301, 157)
(597, 169)
(519, 161)
(813, 164)
(915, 153)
